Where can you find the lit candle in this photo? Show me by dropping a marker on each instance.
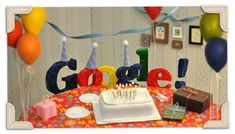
(135, 92)
(130, 93)
(126, 93)
(122, 92)
(119, 92)
(132, 83)
(113, 93)
(123, 86)
(135, 86)
(126, 85)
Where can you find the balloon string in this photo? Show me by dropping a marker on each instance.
(217, 94)
(211, 93)
(153, 36)
(20, 86)
(29, 72)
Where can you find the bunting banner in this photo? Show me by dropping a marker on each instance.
(127, 31)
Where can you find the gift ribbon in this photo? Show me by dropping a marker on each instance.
(192, 92)
(174, 108)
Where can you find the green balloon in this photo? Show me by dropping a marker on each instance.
(210, 26)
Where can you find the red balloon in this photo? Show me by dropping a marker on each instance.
(14, 35)
(83, 77)
(153, 12)
(154, 76)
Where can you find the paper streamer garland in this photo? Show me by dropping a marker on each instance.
(128, 31)
(96, 35)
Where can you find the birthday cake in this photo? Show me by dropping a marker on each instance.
(127, 105)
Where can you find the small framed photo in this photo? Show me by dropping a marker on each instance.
(195, 36)
(177, 44)
(161, 33)
(145, 40)
(177, 32)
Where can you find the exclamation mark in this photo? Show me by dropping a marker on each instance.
(182, 69)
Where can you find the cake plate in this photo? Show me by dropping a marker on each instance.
(100, 120)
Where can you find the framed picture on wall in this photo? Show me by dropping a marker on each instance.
(161, 33)
(195, 36)
(177, 32)
(177, 44)
(145, 40)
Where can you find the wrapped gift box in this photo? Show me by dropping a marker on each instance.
(46, 109)
(195, 100)
(173, 112)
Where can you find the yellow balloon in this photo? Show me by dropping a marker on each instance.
(35, 20)
(111, 71)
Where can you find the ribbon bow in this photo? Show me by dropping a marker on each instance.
(175, 108)
(190, 91)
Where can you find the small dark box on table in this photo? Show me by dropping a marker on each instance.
(194, 100)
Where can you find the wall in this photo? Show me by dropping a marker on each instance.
(76, 21)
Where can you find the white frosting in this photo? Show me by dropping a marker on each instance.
(123, 107)
(126, 96)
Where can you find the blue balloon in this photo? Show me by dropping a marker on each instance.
(216, 53)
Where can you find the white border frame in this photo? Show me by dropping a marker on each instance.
(224, 122)
(223, 11)
(12, 124)
(10, 109)
(10, 16)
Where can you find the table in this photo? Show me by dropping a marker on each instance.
(70, 98)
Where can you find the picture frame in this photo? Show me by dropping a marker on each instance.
(161, 33)
(177, 44)
(195, 36)
(145, 40)
(177, 32)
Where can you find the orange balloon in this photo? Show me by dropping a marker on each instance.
(29, 48)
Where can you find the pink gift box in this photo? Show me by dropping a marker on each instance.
(46, 109)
